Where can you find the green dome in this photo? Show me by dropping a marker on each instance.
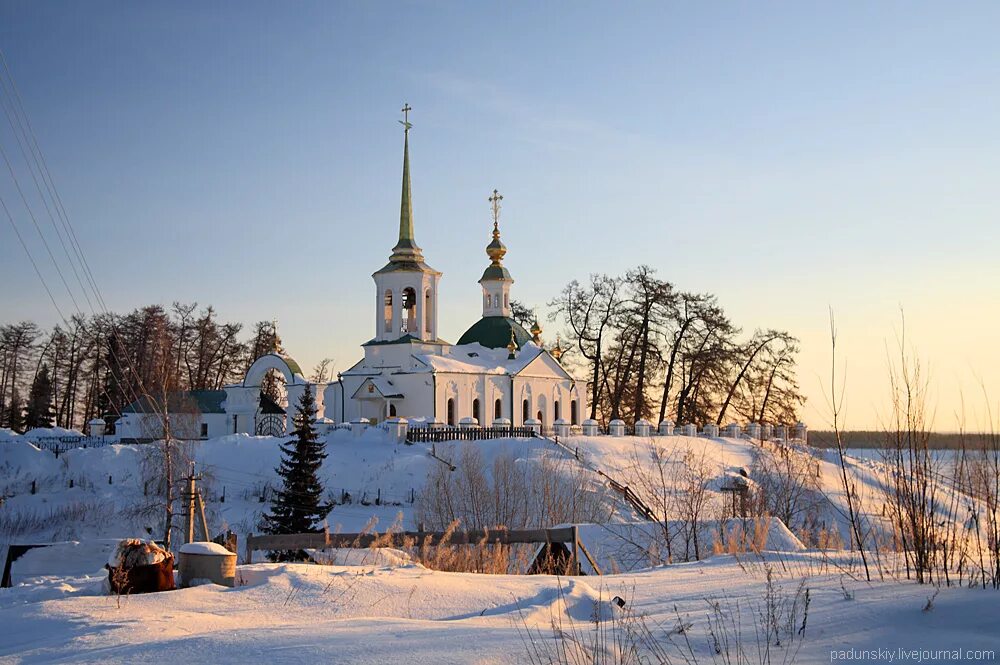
(496, 273)
(493, 332)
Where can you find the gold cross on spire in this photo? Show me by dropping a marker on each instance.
(405, 122)
(495, 203)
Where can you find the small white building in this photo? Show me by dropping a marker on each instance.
(194, 414)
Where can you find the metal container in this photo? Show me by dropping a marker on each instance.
(216, 567)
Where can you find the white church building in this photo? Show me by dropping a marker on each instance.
(496, 374)
(496, 371)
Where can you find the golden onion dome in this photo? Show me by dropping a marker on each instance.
(496, 249)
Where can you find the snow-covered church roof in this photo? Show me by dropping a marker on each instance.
(478, 359)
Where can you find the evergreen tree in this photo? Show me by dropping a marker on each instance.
(39, 410)
(15, 412)
(298, 507)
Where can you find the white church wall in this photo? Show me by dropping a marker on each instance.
(417, 390)
(185, 426)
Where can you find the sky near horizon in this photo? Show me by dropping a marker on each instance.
(788, 157)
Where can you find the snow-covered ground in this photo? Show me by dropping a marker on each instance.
(383, 606)
(407, 614)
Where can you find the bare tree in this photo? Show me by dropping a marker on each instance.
(588, 313)
(850, 491)
(322, 371)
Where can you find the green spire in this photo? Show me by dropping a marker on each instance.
(406, 247)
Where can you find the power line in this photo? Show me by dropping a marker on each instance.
(126, 386)
(32, 260)
(17, 184)
(21, 144)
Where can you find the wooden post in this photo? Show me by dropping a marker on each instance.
(204, 522)
(190, 505)
(576, 549)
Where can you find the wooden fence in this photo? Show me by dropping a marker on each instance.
(568, 536)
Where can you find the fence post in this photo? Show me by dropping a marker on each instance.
(576, 549)
(32, 486)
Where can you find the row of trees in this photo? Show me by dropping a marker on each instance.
(97, 365)
(652, 351)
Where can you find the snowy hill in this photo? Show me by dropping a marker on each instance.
(372, 478)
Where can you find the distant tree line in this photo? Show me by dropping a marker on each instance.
(97, 365)
(652, 351)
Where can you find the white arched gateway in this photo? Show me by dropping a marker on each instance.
(248, 411)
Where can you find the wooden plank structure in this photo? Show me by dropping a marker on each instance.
(567, 535)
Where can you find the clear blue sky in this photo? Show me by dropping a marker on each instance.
(787, 157)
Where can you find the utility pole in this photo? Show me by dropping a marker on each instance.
(192, 498)
(189, 503)
(201, 512)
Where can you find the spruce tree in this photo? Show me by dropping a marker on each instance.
(15, 412)
(39, 409)
(298, 506)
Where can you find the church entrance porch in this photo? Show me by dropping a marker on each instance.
(377, 398)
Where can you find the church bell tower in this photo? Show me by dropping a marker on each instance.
(406, 287)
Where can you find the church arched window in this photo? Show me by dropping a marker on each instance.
(475, 409)
(556, 410)
(498, 409)
(409, 310)
(451, 411)
(574, 415)
(387, 311)
(525, 411)
(392, 410)
(428, 311)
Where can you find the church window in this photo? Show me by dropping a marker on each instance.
(409, 310)
(451, 412)
(574, 415)
(555, 406)
(392, 410)
(506, 300)
(387, 313)
(475, 409)
(497, 409)
(428, 315)
(525, 408)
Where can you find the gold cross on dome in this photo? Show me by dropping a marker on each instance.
(495, 203)
(405, 122)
